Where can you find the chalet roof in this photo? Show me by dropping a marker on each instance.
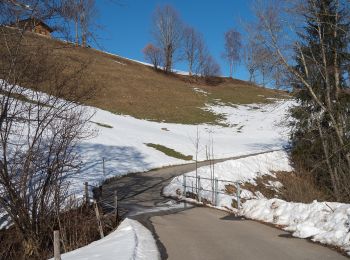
(33, 22)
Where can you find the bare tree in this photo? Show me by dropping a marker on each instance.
(72, 12)
(87, 15)
(259, 62)
(192, 43)
(41, 124)
(205, 65)
(210, 68)
(167, 32)
(249, 60)
(232, 48)
(153, 55)
(82, 13)
(315, 62)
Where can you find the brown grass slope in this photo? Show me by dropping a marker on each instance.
(128, 87)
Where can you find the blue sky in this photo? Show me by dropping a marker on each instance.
(126, 28)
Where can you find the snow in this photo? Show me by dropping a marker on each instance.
(131, 240)
(123, 143)
(180, 72)
(324, 222)
(229, 173)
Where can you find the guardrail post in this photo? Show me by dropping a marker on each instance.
(56, 245)
(184, 184)
(199, 189)
(87, 193)
(99, 222)
(216, 191)
(116, 207)
(238, 196)
(103, 167)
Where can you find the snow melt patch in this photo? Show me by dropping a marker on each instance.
(324, 222)
(131, 240)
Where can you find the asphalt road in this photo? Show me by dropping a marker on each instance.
(204, 233)
(189, 233)
(143, 191)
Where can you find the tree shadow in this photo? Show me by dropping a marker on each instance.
(118, 160)
(268, 146)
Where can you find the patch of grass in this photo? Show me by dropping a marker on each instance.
(234, 91)
(170, 152)
(102, 125)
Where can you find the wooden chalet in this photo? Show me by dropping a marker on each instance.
(34, 25)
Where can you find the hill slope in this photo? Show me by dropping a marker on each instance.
(128, 87)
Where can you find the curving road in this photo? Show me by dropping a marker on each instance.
(204, 233)
(188, 233)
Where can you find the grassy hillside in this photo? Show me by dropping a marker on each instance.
(131, 88)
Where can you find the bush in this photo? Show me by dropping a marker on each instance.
(78, 227)
(301, 187)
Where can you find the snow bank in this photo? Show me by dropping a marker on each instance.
(130, 241)
(240, 170)
(324, 222)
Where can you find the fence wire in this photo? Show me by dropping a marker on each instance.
(198, 189)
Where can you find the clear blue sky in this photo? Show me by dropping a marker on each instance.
(126, 28)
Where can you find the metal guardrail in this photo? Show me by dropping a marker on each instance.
(198, 189)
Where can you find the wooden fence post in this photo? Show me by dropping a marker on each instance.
(56, 245)
(103, 167)
(98, 217)
(87, 193)
(100, 190)
(199, 189)
(216, 191)
(116, 207)
(184, 184)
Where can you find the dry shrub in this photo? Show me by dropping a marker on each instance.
(10, 244)
(300, 187)
(230, 189)
(78, 227)
(297, 187)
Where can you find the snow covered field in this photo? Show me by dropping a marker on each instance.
(130, 241)
(121, 140)
(324, 222)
